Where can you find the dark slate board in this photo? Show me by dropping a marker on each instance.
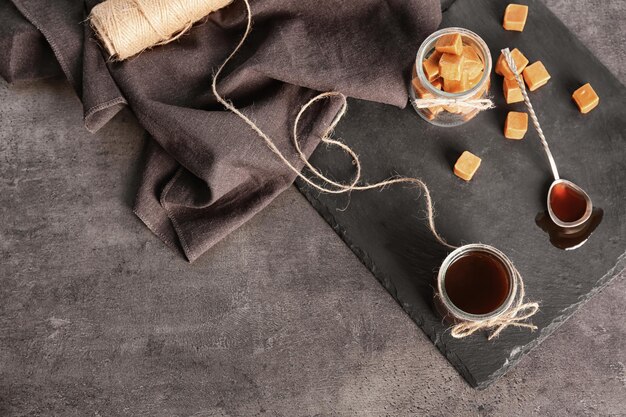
(386, 229)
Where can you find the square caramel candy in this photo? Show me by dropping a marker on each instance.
(464, 84)
(515, 17)
(472, 63)
(451, 67)
(420, 90)
(502, 68)
(512, 91)
(586, 98)
(481, 91)
(473, 82)
(535, 75)
(456, 86)
(466, 166)
(470, 54)
(450, 44)
(516, 125)
(452, 108)
(438, 83)
(431, 66)
(432, 112)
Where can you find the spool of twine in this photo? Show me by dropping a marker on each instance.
(128, 27)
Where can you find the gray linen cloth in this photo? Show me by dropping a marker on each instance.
(206, 172)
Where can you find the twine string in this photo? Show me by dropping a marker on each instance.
(328, 185)
(531, 111)
(480, 104)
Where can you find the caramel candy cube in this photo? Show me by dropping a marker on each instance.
(435, 110)
(535, 75)
(478, 94)
(516, 125)
(453, 108)
(456, 86)
(451, 67)
(512, 91)
(502, 68)
(470, 54)
(515, 17)
(472, 69)
(420, 90)
(466, 166)
(431, 66)
(483, 90)
(432, 112)
(472, 63)
(450, 44)
(464, 84)
(438, 83)
(586, 98)
(473, 82)
(429, 115)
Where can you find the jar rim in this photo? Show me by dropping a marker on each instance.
(453, 257)
(426, 46)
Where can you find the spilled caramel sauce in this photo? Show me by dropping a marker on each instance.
(571, 237)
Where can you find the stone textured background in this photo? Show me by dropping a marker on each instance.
(98, 318)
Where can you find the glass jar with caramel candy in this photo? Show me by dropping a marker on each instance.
(452, 63)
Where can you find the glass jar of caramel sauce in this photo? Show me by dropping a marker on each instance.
(475, 283)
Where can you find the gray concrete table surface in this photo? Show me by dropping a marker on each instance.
(97, 317)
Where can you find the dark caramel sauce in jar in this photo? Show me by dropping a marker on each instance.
(567, 203)
(477, 283)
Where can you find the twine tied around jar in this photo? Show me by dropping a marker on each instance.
(478, 103)
(516, 315)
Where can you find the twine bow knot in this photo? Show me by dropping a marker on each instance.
(478, 103)
(515, 318)
(516, 315)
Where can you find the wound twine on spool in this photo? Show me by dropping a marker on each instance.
(480, 104)
(514, 316)
(128, 27)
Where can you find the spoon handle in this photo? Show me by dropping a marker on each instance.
(533, 116)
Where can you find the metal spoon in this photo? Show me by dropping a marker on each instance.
(557, 179)
(588, 206)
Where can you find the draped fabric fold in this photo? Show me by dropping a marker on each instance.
(206, 173)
